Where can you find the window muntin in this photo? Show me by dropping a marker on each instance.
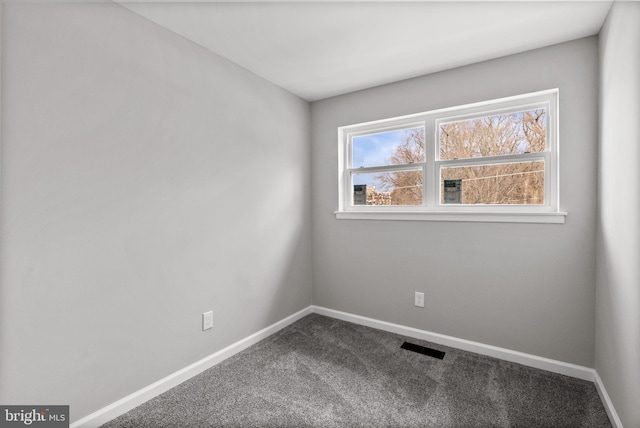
(527, 167)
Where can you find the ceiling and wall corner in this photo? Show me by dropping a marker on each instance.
(321, 49)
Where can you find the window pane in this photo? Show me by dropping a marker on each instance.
(402, 146)
(503, 134)
(508, 183)
(388, 188)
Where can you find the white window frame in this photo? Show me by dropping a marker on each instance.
(431, 209)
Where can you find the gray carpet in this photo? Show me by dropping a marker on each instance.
(322, 372)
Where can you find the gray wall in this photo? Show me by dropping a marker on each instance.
(144, 181)
(526, 287)
(618, 236)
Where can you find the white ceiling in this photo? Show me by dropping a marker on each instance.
(321, 49)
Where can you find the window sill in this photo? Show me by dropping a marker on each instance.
(486, 217)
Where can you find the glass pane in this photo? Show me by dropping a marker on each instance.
(503, 134)
(402, 146)
(388, 188)
(508, 183)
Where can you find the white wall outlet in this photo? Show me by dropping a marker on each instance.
(419, 299)
(207, 320)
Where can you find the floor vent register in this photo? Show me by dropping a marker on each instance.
(423, 350)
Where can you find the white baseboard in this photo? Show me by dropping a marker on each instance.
(133, 400)
(608, 404)
(554, 366)
(547, 364)
(127, 403)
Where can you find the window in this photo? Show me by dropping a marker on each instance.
(490, 161)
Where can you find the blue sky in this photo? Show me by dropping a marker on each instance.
(375, 149)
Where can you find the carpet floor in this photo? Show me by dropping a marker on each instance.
(323, 372)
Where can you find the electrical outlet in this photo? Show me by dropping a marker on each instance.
(207, 320)
(419, 299)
